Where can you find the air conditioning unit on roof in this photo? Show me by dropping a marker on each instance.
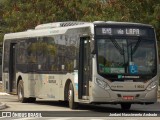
(59, 24)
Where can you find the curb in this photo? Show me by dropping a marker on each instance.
(2, 106)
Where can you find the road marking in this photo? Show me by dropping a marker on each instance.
(27, 118)
(96, 119)
(60, 118)
(3, 93)
(12, 118)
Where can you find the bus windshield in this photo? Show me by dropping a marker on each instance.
(130, 56)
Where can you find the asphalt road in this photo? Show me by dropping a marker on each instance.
(60, 109)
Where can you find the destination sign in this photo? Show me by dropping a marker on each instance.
(122, 31)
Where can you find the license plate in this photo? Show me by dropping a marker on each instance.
(128, 97)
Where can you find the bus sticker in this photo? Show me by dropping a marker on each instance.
(133, 69)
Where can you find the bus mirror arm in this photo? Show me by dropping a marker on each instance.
(93, 52)
(92, 47)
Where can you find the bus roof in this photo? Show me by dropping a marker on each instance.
(60, 24)
(62, 27)
(123, 23)
(47, 30)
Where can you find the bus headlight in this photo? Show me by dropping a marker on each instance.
(152, 85)
(102, 84)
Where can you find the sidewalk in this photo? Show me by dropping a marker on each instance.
(2, 105)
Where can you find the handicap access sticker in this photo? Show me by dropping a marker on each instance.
(133, 69)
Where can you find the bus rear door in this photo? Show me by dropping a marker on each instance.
(12, 68)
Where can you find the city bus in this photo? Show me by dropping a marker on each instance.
(83, 62)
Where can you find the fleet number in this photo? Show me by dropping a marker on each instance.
(139, 86)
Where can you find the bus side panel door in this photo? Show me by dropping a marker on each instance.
(12, 68)
(83, 77)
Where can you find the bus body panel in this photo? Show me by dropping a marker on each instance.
(101, 95)
(48, 86)
(5, 78)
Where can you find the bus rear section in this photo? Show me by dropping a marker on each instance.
(126, 63)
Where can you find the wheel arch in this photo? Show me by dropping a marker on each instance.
(68, 81)
(19, 78)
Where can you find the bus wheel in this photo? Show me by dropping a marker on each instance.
(32, 100)
(72, 104)
(21, 97)
(125, 106)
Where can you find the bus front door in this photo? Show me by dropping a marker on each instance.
(84, 68)
(12, 71)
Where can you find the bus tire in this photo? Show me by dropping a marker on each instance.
(32, 100)
(20, 91)
(72, 104)
(125, 106)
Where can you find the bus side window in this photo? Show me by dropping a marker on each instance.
(32, 52)
(21, 57)
(6, 56)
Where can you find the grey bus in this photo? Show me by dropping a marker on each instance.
(83, 62)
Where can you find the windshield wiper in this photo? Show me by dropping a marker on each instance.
(121, 51)
(136, 46)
